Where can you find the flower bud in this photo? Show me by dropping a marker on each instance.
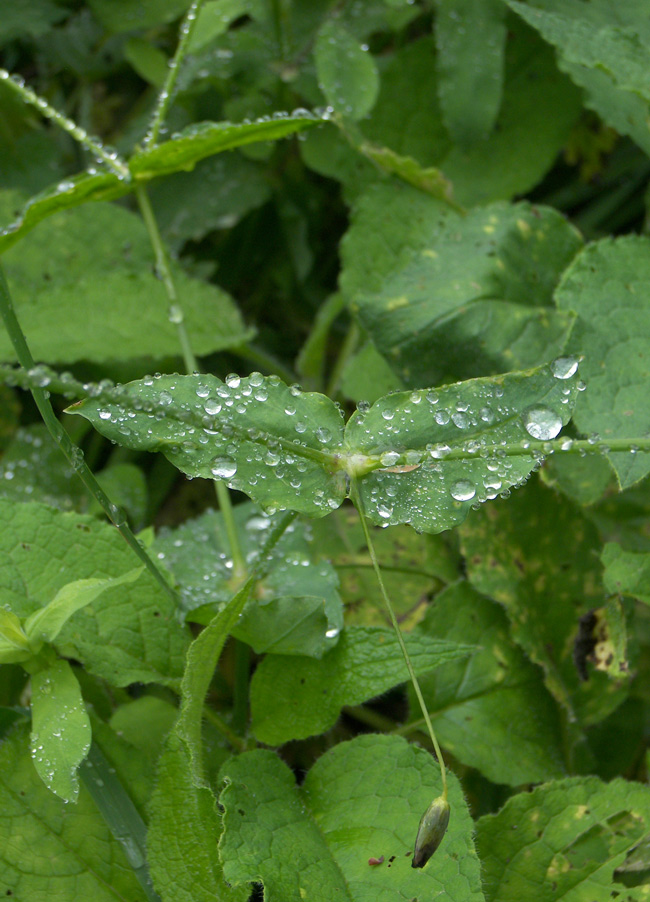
(433, 827)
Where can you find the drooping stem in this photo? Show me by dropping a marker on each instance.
(163, 270)
(358, 502)
(106, 155)
(166, 95)
(73, 454)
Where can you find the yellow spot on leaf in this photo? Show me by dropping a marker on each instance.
(396, 303)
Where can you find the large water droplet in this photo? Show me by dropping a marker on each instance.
(223, 467)
(542, 423)
(462, 490)
(564, 367)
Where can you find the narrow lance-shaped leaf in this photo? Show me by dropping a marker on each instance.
(14, 644)
(60, 729)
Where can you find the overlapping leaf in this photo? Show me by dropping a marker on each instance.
(361, 802)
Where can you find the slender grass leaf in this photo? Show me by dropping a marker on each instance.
(359, 804)
(456, 297)
(604, 49)
(61, 732)
(470, 37)
(537, 556)
(347, 73)
(292, 698)
(130, 634)
(490, 710)
(98, 298)
(45, 624)
(409, 433)
(203, 139)
(257, 434)
(184, 830)
(607, 286)
(564, 840)
(50, 850)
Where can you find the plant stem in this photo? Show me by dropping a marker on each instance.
(348, 348)
(167, 92)
(266, 361)
(95, 147)
(73, 454)
(225, 506)
(240, 687)
(236, 741)
(356, 498)
(164, 272)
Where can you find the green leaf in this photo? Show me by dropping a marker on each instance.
(184, 830)
(145, 723)
(147, 60)
(564, 840)
(360, 803)
(292, 698)
(367, 377)
(98, 297)
(14, 644)
(347, 73)
(45, 624)
(470, 37)
(604, 50)
(255, 433)
(607, 286)
(409, 434)
(492, 701)
(584, 479)
(456, 297)
(626, 572)
(28, 17)
(50, 851)
(130, 634)
(214, 18)
(61, 733)
(128, 15)
(537, 556)
(203, 139)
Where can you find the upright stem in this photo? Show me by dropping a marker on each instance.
(225, 506)
(73, 454)
(356, 497)
(167, 92)
(164, 272)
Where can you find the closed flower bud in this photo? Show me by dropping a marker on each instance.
(433, 827)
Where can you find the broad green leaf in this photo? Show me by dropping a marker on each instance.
(564, 840)
(19, 217)
(584, 479)
(626, 572)
(45, 624)
(367, 376)
(61, 733)
(470, 37)
(537, 556)
(28, 17)
(456, 297)
(128, 15)
(53, 851)
(97, 298)
(130, 634)
(183, 834)
(145, 723)
(292, 698)
(296, 608)
(347, 73)
(360, 803)
(14, 644)
(260, 436)
(607, 286)
(409, 433)
(495, 714)
(202, 658)
(604, 49)
(203, 139)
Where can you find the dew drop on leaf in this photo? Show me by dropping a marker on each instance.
(542, 423)
(223, 467)
(463, 490)
(564, 367)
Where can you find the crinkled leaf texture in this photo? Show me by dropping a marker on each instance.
(130, 632)
(361, 800)
(292, 698)
(289, 449)
(50, 851)
(565, 840)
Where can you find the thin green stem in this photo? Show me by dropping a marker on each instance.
(72, 453)
(356, 497)
(164, 272)
(166, 95)
(219, 724)
(95, 147)
(225, 506)
(348, 348)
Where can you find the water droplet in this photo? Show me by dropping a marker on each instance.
(542, 423)
(463, 490)
(212, 407)
(388, 414)
(564, 367)
(223, 467)
(233, 380)
(389, 458)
